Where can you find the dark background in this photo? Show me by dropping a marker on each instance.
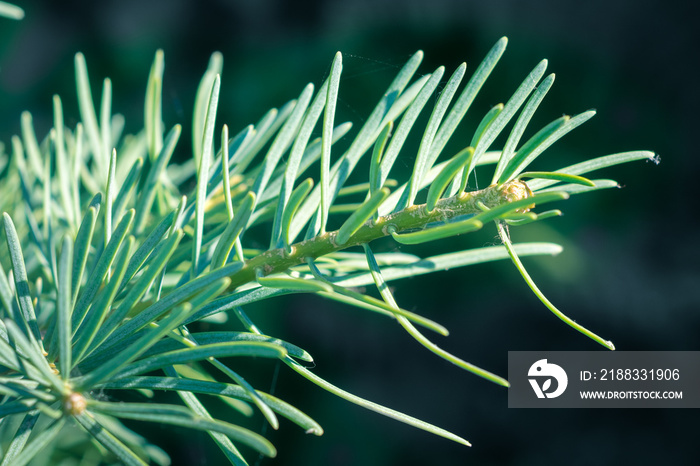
(629, 270)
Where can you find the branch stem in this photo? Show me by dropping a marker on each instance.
(411, 218)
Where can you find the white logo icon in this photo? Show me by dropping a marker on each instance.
(544, 370)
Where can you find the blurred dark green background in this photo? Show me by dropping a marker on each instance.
(629, 270)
